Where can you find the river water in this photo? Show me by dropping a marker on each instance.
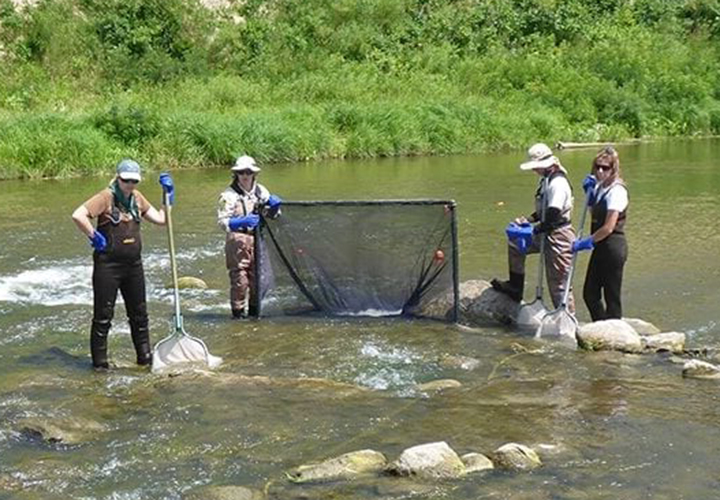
(298, 390)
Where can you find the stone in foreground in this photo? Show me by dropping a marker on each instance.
(476, 462)
(345, 466)
(514, 456)
(609, 335)
(700, 369)
(431, 460)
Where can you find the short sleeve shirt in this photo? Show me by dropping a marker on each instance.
(559, 194)
(616, 197)
(100, 206)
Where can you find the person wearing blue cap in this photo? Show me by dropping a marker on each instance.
(117, 260)
(238, 214)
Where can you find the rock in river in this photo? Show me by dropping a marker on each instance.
(345, 466)
(431, 460)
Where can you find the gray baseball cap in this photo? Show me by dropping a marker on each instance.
(128, 170)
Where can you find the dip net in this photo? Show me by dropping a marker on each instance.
(359, 258)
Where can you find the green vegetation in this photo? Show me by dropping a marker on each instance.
(175, 84)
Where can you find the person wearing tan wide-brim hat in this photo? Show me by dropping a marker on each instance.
(239, 209)
(553, 198)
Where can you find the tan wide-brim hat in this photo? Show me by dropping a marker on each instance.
(540, 156)
(245, 163)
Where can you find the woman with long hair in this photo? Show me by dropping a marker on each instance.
(608, 201)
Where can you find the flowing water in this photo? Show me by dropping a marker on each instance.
(294, 390)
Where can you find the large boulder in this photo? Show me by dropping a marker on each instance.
(700, 369)
(514, 456)
(345, 466)
(609, 335)
(431, 460)
(670, 341)
(480, 305)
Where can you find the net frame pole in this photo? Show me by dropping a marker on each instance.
(455, 263)
(255, 298)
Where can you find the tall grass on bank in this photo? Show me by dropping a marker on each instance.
(173, 84)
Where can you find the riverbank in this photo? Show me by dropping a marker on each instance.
(191, 87)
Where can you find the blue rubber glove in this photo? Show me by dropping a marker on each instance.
(168, 186)
(588, 185)
(274, 202)
(520, 234)
(98, 241)
(247, 222)
(583, 244)
(273, 206)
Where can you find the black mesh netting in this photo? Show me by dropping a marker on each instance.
(358, 258)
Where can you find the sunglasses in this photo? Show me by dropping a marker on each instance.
(245, 172)
(603, 167)
(130, 181)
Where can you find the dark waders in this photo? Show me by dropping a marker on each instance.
(119, 268)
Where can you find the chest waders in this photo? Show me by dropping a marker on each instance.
(606, 267)
(240, 257)
(119, 267)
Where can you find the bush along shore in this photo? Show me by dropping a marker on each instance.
(182, 83)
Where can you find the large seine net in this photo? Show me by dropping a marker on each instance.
(379, 258)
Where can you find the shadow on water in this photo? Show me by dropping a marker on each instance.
(55, 357)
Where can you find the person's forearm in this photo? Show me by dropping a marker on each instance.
(83, 223)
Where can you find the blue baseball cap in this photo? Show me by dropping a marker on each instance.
(128, 170)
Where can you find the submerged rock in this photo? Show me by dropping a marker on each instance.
(223, 493)
(476, 462)
(609, 335)
(700, 369)
(431, 460)
(66, 430)
(439, 385)
(8, 483)
(345, 466)
(671, 341)
(459, 362)
(309, 384)
(514, 456)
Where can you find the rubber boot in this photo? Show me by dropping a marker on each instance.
(513, 288)
(252, 308)
(98, 343)
(141, 340)
(239, 314)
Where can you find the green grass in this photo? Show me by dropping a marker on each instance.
(174, 85)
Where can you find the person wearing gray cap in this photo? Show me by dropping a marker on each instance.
(551, 219)
(117, 261)
(238, 214)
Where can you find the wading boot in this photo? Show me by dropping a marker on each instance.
(513, 288)
(141, 340)
(98, 344)
(252, 310)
